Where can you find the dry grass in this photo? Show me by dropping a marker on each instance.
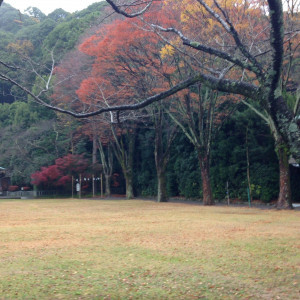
(88, 249)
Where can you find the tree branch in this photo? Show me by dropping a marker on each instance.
(209, 50)
(127, 15)
(228, 26)
(223, 85)
(8, 66)
(276, 36)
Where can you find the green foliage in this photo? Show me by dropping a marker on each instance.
(22, 114)
(11, 20)
(144, 164)
(58, 15)
(229, 162)
(36, 34)
(183, 170)
(28, 139)
(6, 38)
(290, 99)
(295, 179)
(65, 35)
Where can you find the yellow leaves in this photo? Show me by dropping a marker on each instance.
(190, 10)
(167, 50)
(21, 47)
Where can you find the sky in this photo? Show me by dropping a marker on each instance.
(48, 6)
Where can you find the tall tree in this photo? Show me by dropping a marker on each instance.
(127, 67)
(288, 86)
(164, 136)
(200, 113)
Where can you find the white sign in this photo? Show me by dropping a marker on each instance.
(77, 187)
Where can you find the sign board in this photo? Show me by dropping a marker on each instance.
(77, 187)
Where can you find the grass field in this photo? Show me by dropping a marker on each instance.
(91, 249)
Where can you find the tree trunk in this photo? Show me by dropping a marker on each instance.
(129, 187)
(124, 154)
(94, 154)
(206, 186)
(129, 166)
(107, 166)
(284, 199)
(161, 159)
(107, 185)
(161, 186)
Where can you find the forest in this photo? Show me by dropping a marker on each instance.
(198, 140)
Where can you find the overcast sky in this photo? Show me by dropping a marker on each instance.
(48, 6)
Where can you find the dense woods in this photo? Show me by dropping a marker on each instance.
(230, 131)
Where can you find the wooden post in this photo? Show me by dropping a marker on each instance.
(72, 187)
(101, 183)
(93, 183)
(248, 169)
(227, 192)
(80, 186)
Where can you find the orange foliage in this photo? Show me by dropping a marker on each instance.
(127, 65)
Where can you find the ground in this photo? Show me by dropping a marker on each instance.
(134, 249)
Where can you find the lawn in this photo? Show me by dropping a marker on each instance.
(121, 249)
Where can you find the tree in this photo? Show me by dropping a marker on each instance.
(123, 146)
(288, 82)
(200, 114)
(127, 67)
(106, 156)
(164, 136)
